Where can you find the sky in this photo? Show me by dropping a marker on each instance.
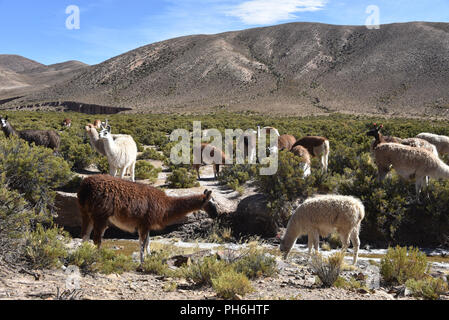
(48, 31)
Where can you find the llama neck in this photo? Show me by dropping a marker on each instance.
(292, 233)
(9, 131)
(110, 146)
(181, 206)
(379, 139)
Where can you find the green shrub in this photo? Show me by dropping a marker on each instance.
(152, 154)
(76, 152)
(89, 259)
(102, 164)
(182, 178)
(156, 263)
(428, 288)
(146, 171)
(254, 263)
(400, 265)
(33, 171)
(45, 248)
(229, 284)
(235, 176)
(202, 272)
(327, 269)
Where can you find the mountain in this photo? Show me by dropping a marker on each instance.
(295, 68)
(21, 76)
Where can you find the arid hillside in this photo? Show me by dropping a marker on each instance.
(21, 76)
(295, 68)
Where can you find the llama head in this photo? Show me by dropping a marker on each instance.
(105, 132)
(97, 124)
(4, 121)
(67, 123)
(209, 204)
(374, 132)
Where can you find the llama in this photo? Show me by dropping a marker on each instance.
(67, 123)
(439, 141)
(409, 162)
(212, 150)
(121, 152)
(97, 124)
(286, 142)
(412, 142)
(95, 141)
(302, 152)
(317, 147)
(46, 138)
(320, 215)
(133, 207)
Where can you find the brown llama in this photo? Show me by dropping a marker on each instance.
(67, 123)
(133, 207)
(286, 142)
(212, 151)
(302, 153)
(317, 147)
(97, 124)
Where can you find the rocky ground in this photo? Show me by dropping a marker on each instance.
(294, 279)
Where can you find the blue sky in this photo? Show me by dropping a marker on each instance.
(37, 29)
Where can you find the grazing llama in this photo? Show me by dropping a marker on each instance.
(121, 153)
(286, 142)
(439, 141)
(409, 163)
(302, 152)
(321, 215)
(412, 142)
(46, 138)
(133, 207)
(212, 151)
(317, 147)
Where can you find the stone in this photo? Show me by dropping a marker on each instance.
(253, 217)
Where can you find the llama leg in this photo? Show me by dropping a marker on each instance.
(355, 244)
(143, 240)
(99, 229)
(310, 242)
(316, 242)
(148, 244)
(133, 170)
(86, 225)
(345, 241)
(86, 230)
(122, 172)
(112, 170)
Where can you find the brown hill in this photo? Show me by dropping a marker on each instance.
(296, 68)
(21, 76)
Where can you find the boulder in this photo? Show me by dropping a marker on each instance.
(253, 217)
(68, 213)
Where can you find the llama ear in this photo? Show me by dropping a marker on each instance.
(206, 191)
(208, 195)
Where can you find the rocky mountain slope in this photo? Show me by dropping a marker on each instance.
(21, 76)
(295, 68)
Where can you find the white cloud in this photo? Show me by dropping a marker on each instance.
(260, 12)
